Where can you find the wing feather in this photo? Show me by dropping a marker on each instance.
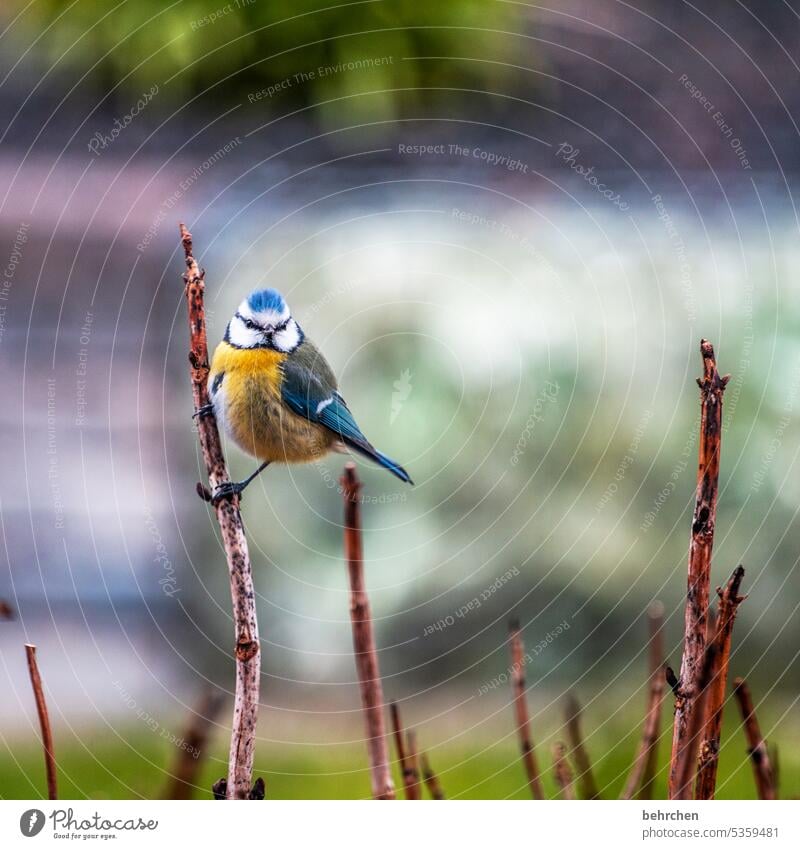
(312, 393)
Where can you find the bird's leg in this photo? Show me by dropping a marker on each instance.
(231, 488)
(205, 410)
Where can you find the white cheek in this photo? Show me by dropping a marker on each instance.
(287, 340)
(242, 337)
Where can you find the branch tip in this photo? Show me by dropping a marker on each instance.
(672, 680)
(527, 752)
(366, 654)
(697, 630)
(350, 483)
(44, 721)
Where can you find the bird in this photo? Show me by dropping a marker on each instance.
(275, 395)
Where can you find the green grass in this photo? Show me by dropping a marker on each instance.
(100, 765)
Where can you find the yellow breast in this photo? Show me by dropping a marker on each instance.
(264, 364)
(248, 402)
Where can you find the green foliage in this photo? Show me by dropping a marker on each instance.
(243, 48)
(131, 763)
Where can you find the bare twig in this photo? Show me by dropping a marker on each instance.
(247, 649)
(364, 641)
(44, 722)
(6, 610)
(643, 770)
(772, 752)
(729, 601)
(649, 777)
(763, 769)
(190, 755)
(712, 387)
(521, 711)
(431, 779)
(399, 741)
(687, 764)
(413, 765)
(572, 711)
(562, 771)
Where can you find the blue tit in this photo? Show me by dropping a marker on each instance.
(276, 396)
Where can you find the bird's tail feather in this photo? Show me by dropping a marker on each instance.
(381, 459)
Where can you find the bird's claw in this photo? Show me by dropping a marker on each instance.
(205, 410)
(227, 490)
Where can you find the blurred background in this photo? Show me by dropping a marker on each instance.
(508, 227)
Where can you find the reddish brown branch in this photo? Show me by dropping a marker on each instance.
(521, 711)
(644, 766)
(44, 722)
(701, 543)
(413, 765)
(729, 601)
(194, 742)
(688, 763)
(763, 769)
(572, 711)
(431, 779)
(364, 641)
(6, 610)
(399, 740)
(247, 650)
(562, 771)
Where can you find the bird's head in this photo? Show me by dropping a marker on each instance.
(263, 320)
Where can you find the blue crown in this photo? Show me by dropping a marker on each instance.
(266, 300)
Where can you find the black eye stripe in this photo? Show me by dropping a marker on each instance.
(267, 331)
(248, 323)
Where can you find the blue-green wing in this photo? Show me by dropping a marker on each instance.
(309, 389)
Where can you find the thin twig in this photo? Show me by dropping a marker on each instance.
(687, 764)
(413, 765)
(399, 742)
(729, 601)
(763, 768)
(194, 741)
(6, 610)
(572, 710)
(431, 779)
(562, 771)
(712, 387)
(247, 649)
(772, 752)
(644, 765)
(364, 641)
(44, 722)
(521, 711)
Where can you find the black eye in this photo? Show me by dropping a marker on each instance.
(250, 325)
